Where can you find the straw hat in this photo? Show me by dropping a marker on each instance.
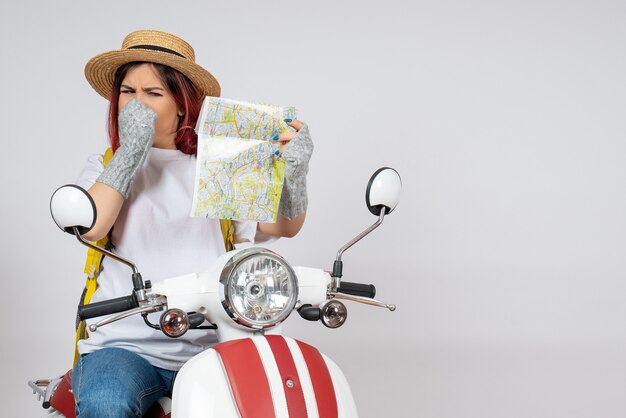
(149, 46)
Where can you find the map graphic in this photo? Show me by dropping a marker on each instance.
(238, 174)
(236, 119)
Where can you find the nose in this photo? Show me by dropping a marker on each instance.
(141, 97)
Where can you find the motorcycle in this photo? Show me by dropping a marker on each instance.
(254, 371)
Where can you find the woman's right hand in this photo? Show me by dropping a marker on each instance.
(136, 122)
(136, 127)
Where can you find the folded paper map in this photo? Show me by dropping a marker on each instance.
(236, 119)
(238, 175)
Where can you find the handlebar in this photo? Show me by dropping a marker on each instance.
(107, 307)
(358, 289)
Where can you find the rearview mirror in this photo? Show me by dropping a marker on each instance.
(71, 206)
(382, 196)
(383, 191)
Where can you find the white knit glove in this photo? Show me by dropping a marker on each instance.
(297, 154)
(136, 128)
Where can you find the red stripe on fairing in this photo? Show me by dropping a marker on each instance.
(247, 378)
(321, 380)
(287, 368)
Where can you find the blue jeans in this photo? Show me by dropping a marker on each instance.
(117, 383)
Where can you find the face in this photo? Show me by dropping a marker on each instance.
(144, 84)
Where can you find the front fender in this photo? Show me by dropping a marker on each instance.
(269, 376)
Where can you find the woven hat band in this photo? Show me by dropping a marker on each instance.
(157, 48)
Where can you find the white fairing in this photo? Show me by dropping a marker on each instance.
(199, 293)
(312, 285)
(70, 206)
(385, 189)
(202, 389)
(346, 407)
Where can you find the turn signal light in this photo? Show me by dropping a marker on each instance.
(333, 313)
(174, 322)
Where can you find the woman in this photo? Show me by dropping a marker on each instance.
(143, 197)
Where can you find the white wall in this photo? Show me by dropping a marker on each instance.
(506, 120)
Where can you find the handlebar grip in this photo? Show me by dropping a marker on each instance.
(107, 307)
(358, 289)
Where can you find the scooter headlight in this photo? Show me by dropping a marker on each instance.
(259, 289)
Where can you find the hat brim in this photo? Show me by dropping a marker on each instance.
(100, 70)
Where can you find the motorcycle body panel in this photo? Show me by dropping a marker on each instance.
(269, 376)
(202, 390)
(199, 292)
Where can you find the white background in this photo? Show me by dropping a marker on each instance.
(505, 119)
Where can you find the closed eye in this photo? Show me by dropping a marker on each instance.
(124, 88)
(153, 91)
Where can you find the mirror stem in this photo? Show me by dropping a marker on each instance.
(361, 235)
(102, 250)
(138, 285)
(338, 265)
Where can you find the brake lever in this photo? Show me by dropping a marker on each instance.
(361, 299)
(155, 305)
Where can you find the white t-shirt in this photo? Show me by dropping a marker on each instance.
(156, 232)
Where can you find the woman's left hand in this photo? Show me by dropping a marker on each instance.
(296, 148)
(284, 138)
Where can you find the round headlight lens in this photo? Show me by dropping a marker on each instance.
(259, 288)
